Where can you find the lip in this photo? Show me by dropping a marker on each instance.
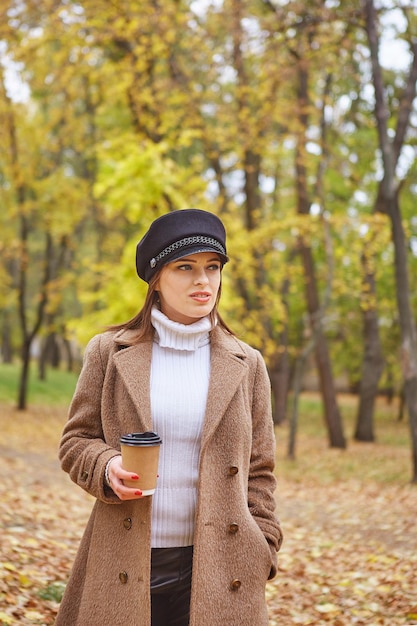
(203, 296)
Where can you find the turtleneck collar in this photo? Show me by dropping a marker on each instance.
(169, 334)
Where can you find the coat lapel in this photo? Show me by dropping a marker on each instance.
(133, 363)
(228, 367)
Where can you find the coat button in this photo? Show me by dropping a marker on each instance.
(84, 476)
(233, 470)
(233, 528)
(127, 523)
(236, 584)
(123, 577)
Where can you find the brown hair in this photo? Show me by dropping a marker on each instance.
(141, 322)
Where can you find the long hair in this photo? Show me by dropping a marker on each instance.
(142, 323)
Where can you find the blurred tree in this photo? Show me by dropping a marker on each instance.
(305, 30)
(388, 199)
(45, 194)
(30, 320)
(139, 108)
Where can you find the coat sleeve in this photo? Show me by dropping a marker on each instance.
(83, 451)
(262, 481)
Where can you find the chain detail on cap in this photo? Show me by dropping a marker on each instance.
(187, 241)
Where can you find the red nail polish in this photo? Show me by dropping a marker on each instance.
(135, 477)
(138, 493)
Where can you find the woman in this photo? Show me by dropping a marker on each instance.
(200, 550)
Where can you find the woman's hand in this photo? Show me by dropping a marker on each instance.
(117, 475)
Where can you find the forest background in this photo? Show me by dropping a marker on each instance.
(288, 119)
(294, 121)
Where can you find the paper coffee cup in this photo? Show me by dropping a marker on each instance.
(140, 455)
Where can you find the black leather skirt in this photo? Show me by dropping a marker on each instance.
(171, 570)
(170, 567)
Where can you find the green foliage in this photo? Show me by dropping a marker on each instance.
(56, 390)
(53, 592)
(133, 112)
(133, 177)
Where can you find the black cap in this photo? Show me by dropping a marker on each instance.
(178, 234)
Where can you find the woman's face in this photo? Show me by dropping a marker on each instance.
(188, 287)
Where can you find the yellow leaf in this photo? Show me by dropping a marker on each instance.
(5, 620)
(327, 608)
(9, 566)
(24, 580)
(35, 615)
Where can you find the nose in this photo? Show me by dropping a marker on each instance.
(201, 277)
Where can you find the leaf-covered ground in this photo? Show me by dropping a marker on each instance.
(349, 557)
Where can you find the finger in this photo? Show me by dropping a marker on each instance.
(125, 475)
(128, 493)
(116, 471)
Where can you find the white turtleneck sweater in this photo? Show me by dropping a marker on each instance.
(180, 372)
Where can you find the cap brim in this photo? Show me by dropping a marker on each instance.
(184, 252)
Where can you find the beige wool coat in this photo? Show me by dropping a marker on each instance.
(236, 532)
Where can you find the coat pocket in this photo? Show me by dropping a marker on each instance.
(258, 548)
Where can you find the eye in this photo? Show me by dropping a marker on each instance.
(184, 267)
(214, 266)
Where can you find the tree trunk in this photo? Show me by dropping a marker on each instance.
(298, 375)
(6, 344)
(401, 404)
(388, 202)
(407, 325)
(29, 336)
(50, 353)
(331, 410)
(332, 415)
(280, 371)
(42, 362)
(372, 364)
(280, 382)
(22, 280)
(297, 385)
(24, 375)
(69, 354)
